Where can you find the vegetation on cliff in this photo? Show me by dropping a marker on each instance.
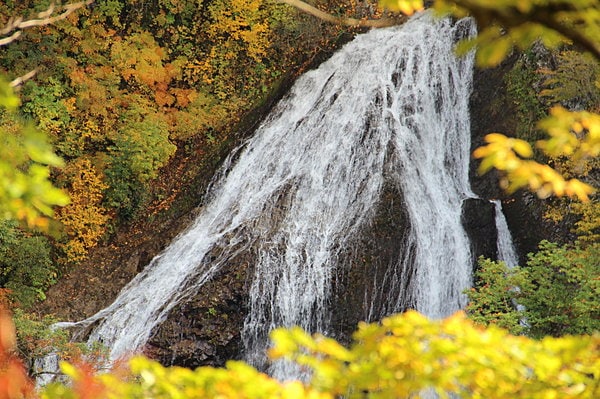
(125, 92)
(556, 293)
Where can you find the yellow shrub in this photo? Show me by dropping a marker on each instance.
(404, 356)
(84, 218)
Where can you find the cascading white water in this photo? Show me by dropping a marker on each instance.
(390, 106)
(393, 104)
(506, 249)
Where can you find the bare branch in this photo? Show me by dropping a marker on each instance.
(9, 26)
(22, 79)
(16, 25)
(11, 38)
(47, 13)
(367, 23)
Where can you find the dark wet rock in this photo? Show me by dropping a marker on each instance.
(204, 330)
(360, 284)
(492, 110)
(525, 216)
(478, 218)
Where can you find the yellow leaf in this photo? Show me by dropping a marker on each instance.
(69, 370)
(407, 7)
(492, 53)
(576, 188)
(522, 148)
(495, 138)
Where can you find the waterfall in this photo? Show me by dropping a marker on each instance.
(391, 106)
(506, 250)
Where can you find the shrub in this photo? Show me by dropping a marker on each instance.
(26, 266)
(84, 218)
(559, 289)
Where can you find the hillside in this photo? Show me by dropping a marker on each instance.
(144, 101)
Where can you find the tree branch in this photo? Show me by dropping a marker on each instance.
(11, 38)
(573, 34)
(22, 79)
(363, 23)
(16, 25)
(545, 15)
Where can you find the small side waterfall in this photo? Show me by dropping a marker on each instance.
(506, 250)
(390, 107)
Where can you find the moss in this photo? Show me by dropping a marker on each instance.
(522, 85)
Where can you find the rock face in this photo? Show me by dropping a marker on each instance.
(358, 288)
(492, 110)
(478, 218)
(205, 330)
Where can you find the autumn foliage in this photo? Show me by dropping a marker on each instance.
(84, 218)
(405, 355)
(124, 91)
(14, 382)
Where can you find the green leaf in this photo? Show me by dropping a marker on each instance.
(8, 99)
(492, 52)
